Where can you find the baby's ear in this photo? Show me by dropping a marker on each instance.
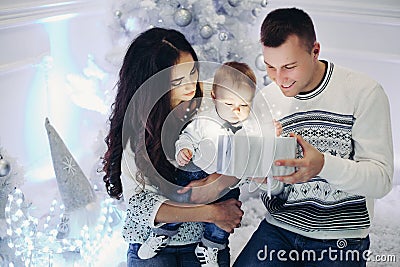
(213, 95)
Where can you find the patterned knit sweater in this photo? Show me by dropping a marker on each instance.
(142, 207)
(347, 118)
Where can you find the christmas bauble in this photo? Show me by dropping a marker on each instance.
(4, 167)
(256, 12)
(223, 36)
(260, 64)
(206, 31)
(234, 3)
(182, 17)
(264, 3)
(267, 80)
(118, 14)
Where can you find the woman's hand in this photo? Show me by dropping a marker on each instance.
(208, 189)
(227, 214)
(259, 180)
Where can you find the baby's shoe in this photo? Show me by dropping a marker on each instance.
(208, 257)
(153, 245)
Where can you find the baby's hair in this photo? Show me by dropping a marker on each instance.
(237, 72)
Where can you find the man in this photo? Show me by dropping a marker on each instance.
(342, 124)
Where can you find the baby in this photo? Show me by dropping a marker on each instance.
(232, 94)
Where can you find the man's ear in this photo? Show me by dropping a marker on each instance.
(316, 49)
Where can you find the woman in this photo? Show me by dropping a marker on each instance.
(158, 84)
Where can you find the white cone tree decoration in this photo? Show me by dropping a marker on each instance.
(77, 194)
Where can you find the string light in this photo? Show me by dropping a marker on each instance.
(33, 246)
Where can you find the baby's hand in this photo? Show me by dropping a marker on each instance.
(184, 156)
(278, 127)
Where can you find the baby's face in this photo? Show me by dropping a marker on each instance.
(233, 102)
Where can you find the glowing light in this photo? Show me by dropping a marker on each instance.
(132, 24)
(57, 18)
(47, 97)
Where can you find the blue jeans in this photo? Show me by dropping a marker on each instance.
(173, 256)
(274, 246)
(213, 236)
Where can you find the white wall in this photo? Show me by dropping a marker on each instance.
(360, 34)
(41, 42)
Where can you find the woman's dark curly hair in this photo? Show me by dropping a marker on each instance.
(152, 52)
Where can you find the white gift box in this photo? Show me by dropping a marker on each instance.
(253, 156)
(244, 155)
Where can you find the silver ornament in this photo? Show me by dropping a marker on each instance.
(264, 3)
(206, 31)
(182, 17)
(260, 64)
(5, 167)
(267, 80)
(223, 36)
(118, 14)
(234, 3)
(256, 12)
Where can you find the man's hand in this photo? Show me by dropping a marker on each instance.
(306, 168)
(278, 127)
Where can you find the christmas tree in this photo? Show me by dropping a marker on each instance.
(219, 30)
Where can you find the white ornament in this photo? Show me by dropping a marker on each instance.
(260, 64)
(256, 12)
(118, 14)
(264, 3)
(206, 31)
(267, 80)
(5, 167)
(75, 189)
(223, 36)
(182, 17)
(234, 3)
